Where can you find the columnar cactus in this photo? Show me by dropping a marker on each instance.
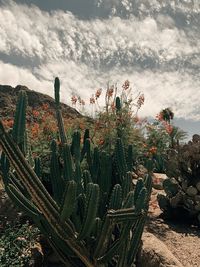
(95, 217)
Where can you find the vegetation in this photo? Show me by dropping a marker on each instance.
(73, 177)
(94, 216)
(16, 243)
(182, 188)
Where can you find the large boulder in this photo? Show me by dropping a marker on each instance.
(154, 253)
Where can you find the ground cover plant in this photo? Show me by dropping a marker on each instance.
(16, 243)
(94, 216)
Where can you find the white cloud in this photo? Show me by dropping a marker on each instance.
(160, 89)
(78, 51)
(30, 32)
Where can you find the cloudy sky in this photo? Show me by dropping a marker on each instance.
(155, 44)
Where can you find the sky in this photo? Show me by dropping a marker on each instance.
(155, 44)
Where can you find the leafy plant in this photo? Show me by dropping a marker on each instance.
(95, 217)
(16, 242)
(182, 188)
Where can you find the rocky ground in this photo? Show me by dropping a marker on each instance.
(181, 239)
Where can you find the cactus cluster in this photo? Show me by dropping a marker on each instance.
(182, 188)
(95, 216)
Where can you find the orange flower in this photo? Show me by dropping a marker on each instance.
(98, 93)
(45, 106)
(35, 113)
(140, 101)
(35, 129)
(101, 141)
(110, 92)
(153, 150)
(74, 100)
(126, 85)
(92, 100)
(8, 123)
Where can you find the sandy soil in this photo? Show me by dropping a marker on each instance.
(181, 239)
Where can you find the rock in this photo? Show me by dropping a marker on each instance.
(184, 185)
(197, 207)
(155, 253)
(141, 170)
(158, 179)
(191, 191)
(197, 198)
(37, 256)
(198, 186)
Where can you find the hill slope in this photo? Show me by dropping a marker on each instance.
(8, 99)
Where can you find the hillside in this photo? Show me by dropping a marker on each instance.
(8, 99)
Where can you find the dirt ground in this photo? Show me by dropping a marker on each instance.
(181, 239)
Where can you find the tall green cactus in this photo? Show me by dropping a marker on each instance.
(61, 128)
(94, 218)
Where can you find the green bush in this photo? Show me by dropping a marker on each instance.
(16, 242)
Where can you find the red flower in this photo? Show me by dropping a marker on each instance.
(126, 85)
(98, 93)
(74, 100)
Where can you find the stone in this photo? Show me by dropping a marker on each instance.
(191, 191)
(198, 186)
(158, 179)
(154, 253)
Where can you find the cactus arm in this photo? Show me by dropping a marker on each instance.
(68, 165)
(97, 227)
(105, 176)
(136, 239)
(128, 221)
(126, 185)
(116, 198)
(5, 166)
(122, 261)
(122, 215)
(141, 200)
(148, 185)
(19, 125)
(129, 201)
(75, 147)
(55, 174)
(86, 178)
(84, 149)
(58, 111)
(22, 201)
(92, 199)
(104, 236)
(138, 188)
(37, 167)
(130, 158)
(120, 158)
(69, 200)
(95, 165)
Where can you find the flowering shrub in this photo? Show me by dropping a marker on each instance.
(110, 123)
(161, 136)
(150, 140)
